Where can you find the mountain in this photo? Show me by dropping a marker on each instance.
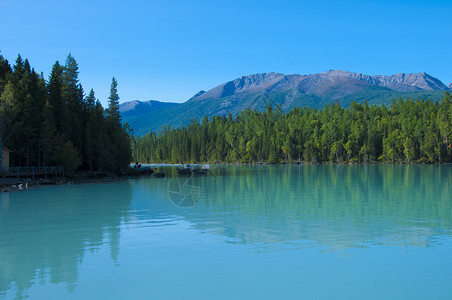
(399, 82)
(315, 90)
(333, 83)
(450, 86)
(136, 107)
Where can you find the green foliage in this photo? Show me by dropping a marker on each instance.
(182, 114)
(68, 156)
(6, 110)
(113, 103)
(54, 124)
(410, 131)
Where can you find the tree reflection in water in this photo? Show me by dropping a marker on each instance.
(266, 208)
(45, 232)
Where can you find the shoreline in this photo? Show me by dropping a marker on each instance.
(10, 184)
(156, 165)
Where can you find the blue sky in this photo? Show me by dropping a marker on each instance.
(169, 50)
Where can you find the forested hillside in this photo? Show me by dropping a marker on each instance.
(52, 123)
(288, 91)
(409, 131)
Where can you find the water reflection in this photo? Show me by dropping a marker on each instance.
(5, 202)
(335, 206)
(45, 234)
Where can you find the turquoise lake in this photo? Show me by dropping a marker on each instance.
(241, 232)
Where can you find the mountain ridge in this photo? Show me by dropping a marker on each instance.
(315, 90)
(137, 107)
(401, 82)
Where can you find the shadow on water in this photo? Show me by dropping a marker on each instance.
(46, 233)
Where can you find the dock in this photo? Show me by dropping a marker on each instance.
(30, 171)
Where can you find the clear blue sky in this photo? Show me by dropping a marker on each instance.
(169, 50)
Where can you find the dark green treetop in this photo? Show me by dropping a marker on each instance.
(113, 103)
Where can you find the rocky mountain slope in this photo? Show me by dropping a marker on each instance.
(335, 82)
(256, 91)
(136, 107)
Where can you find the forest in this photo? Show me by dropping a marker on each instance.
(53, 123)
(409, 131)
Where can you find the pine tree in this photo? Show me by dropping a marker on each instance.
(72, 93)
(409, 131)
(91, 130)
(113, 104)
(7, 113)
(118, 135)
(5, 72)
(52, 124)
(56, 102)
(49, 139)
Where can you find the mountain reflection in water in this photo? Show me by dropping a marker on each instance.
(47, 233)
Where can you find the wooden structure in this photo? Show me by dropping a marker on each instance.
(5, 158)
(31, 171)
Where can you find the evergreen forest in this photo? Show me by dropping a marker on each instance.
(53, 123)
(409, 131)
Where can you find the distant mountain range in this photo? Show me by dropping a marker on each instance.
(136, 107)
(256, 91)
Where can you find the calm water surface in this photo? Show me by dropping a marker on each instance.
(243, 232)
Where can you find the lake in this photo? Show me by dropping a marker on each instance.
(241, 232)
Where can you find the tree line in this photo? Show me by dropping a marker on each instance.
(53, 123)
(410, 131)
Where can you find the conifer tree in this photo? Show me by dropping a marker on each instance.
(7, 112)
(113, 104)
(91, 130)
(119, 138)
(52, 124)
(49, 139)
(72, 94)
(5, 72)
(56, 102)
(409, 131)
